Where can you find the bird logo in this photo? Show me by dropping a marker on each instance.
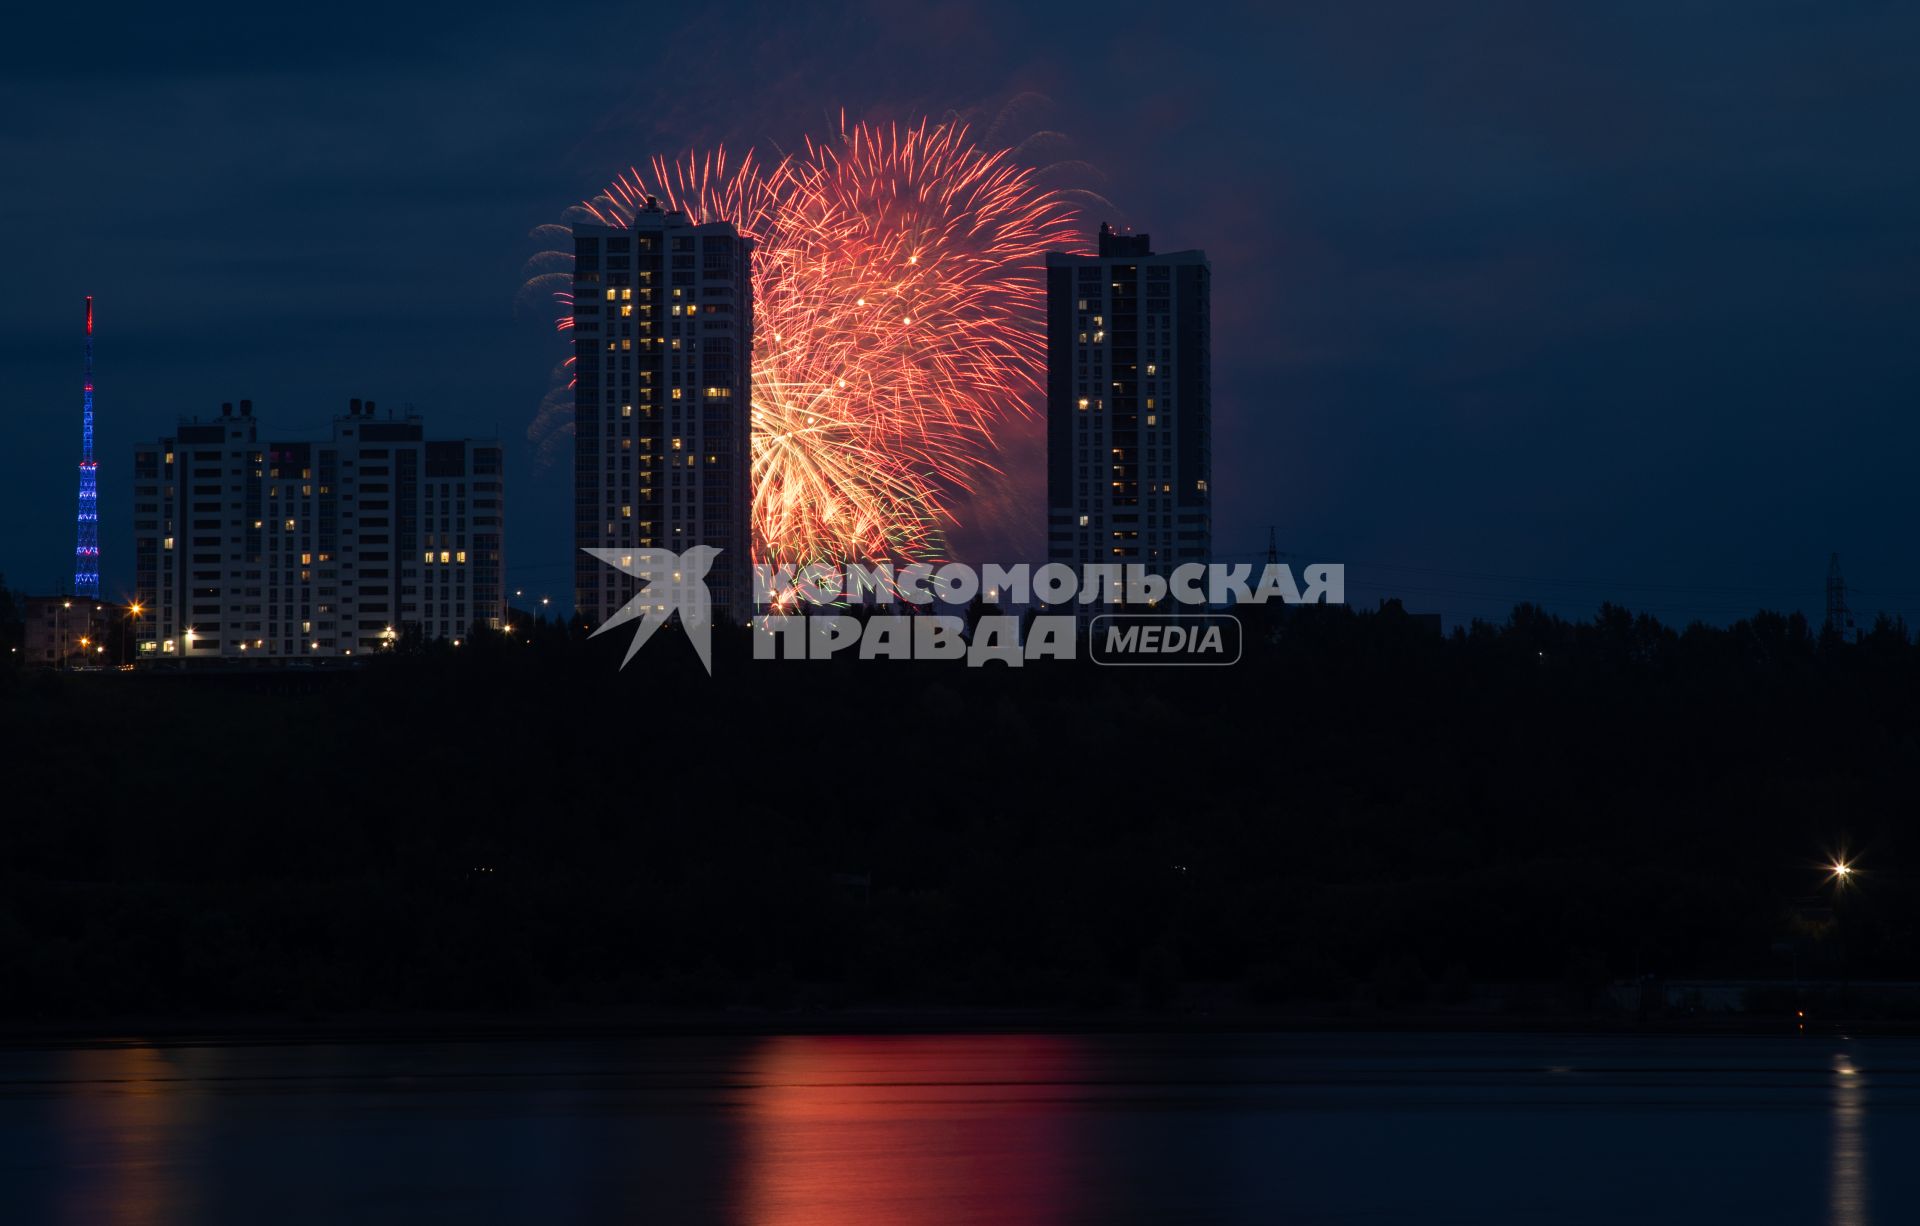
(675, 583)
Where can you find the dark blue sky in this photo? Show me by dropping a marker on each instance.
(1516, 299)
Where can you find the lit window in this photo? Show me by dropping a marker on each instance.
(609, 295)
(289, 525)
(167, 544)
(461, 556)
(429, 558)
(626, 512)
(1084, 402)
(676, 444)
(1153, 419)
(1152, 369)
(676, 393)
(306, 559)
(626, 410)
(444, 559)
(1083, 520)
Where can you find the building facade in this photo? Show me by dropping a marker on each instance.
(70, 631)
(1129, 406)
(247, 547)
(663, 385)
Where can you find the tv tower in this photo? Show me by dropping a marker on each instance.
(1839, 617)
(86, 552)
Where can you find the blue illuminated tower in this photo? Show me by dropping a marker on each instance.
(86, 552)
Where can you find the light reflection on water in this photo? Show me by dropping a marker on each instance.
(944, 1130)
(1849, 1204)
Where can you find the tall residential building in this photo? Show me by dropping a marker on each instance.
(1129, 406)
(663, 385)
(244, 547)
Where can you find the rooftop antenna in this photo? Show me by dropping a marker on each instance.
(1839, 618)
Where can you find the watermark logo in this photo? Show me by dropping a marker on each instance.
(1171, 638)
(676, 583)
(821, 611)
(1176, 617)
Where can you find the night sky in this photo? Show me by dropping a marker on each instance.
(1512, 300)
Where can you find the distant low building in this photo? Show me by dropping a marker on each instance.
(68, 631)
(248, 547)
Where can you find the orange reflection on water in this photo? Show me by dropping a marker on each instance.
(121, 1115)
(933, 1131)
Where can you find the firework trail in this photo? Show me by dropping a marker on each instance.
(898, 300)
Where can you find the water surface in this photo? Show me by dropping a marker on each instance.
(1006, 1129)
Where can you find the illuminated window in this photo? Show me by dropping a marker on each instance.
(1083, 520)
(676, 444)
(444, 558)
(609, 295)
(626, 295)
(626, 311)
(626, 512)
(306, 559)
(289, 525)
(1084, 402)
(168, 459)
(167, 544)
(428, 559)
(626, 410)
(1152, 369)
(461, 556)
(676, 393)
(1153, 419)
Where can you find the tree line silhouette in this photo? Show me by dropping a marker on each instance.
(1362, 816)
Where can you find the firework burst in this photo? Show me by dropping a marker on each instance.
(897, 301)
